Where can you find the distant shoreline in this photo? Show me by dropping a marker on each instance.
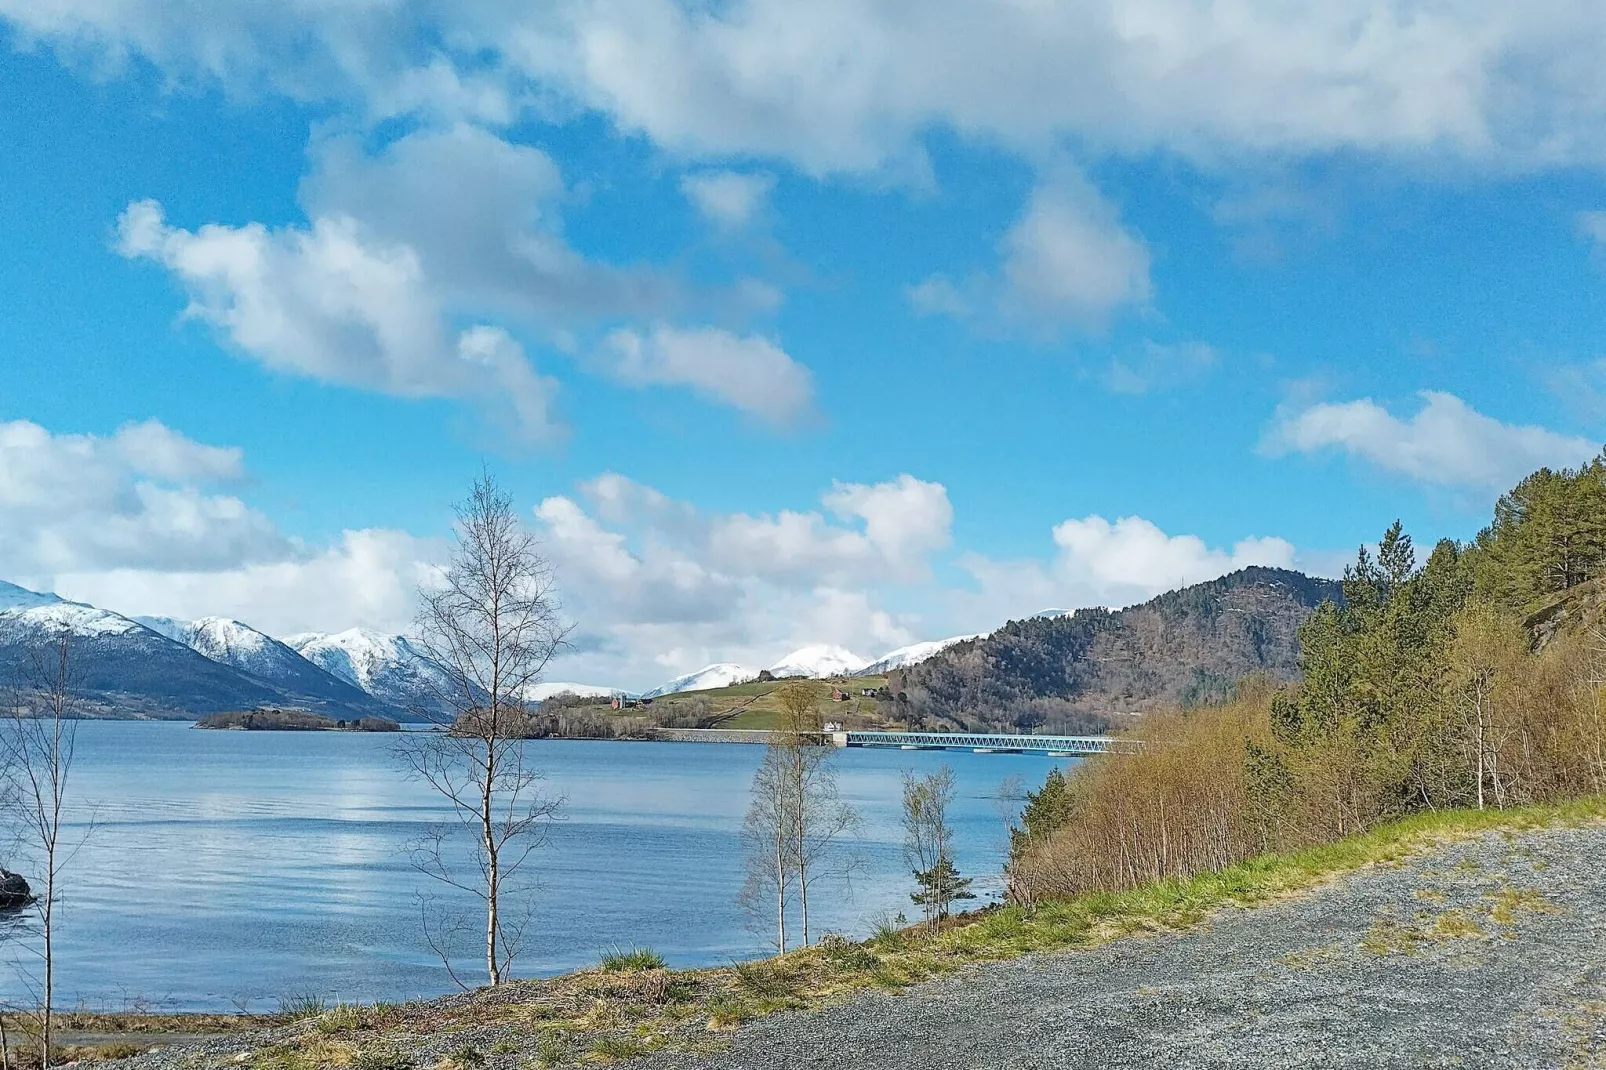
(275, 720)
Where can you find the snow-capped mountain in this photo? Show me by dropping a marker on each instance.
(121, 667)
(818, 661)
(46, 613)
(388, 667)
(910, 655)
(242, 647)
(723, 674)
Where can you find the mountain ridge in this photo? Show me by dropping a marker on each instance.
(1076, 671)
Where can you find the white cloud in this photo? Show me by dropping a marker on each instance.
(1098, 562)
(905, 519)
(130, 521)
(481, 215)
(852, 86)
(748, 372)
(368, 578)
(939, 296)
(334, 304)
(1592, 225)
(138, 498)
(730, 200)
(664, 587)
(437, 226)
(1067, 258)
(1446, 443)
(1152, 366)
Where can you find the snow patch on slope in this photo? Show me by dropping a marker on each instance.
(913, 654)
(24, 611)
(722, 674)
(388, 667)
(819, 660)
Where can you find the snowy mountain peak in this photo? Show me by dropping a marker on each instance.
(910, 655)
(47, 615)
(721, 674)
(14, 597)
(819, 660)
(171, 627)
(240, 646)
(233, 643)
(388, 667)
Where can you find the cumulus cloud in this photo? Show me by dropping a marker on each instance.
(333, 303)
(665, 586)
(367, 578)
(851, 86)
(1066, 259)
(1099, 562)
(1068, 256)
(730, 200)
(1446, 443)
(481, 215)
(436, 226)
(748, 372)
(133, 521)
(139, 497)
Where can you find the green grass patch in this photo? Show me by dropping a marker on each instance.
(303, 1005)
(636, 960)
(610, 1048)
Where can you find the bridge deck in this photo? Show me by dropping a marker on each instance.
(985, 742)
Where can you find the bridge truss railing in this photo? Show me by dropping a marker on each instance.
(991, 741)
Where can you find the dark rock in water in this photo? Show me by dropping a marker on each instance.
(14, 890)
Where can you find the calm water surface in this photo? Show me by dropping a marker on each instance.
(231, 868)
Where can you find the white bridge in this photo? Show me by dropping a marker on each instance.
(1060, 746)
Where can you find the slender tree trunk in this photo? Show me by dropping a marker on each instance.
(488, 829)
(1481, 751)
(803, 900)
(780, 893)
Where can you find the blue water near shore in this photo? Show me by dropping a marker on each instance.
(239, 868)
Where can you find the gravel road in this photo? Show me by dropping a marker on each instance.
(1486, 953)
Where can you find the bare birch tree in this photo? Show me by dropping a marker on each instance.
(493, 624)
(765, 838)
(797, 817)
(37, 742)
(818, 817)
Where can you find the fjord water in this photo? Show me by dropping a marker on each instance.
(232, 869)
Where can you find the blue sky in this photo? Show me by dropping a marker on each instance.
(861, 323)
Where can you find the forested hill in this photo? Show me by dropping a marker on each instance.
(1068, 673)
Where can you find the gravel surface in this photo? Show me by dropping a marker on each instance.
(1487, 953)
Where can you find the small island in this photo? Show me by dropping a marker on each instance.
(270, 719)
